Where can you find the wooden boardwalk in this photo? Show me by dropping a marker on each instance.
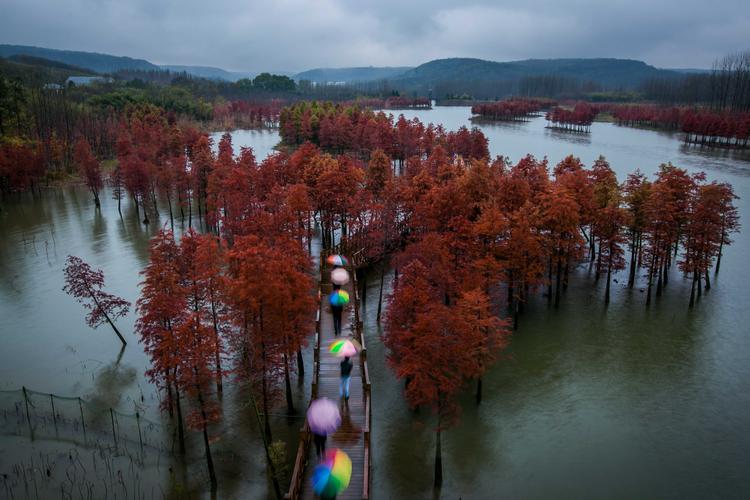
(353, 436)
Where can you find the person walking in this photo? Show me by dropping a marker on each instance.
(337, 312)
(346, 376)
(320, 444)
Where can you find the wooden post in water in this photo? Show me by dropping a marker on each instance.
(54, 414)
(138, 423)
(28, 416)
(83, 422)
(112, 418)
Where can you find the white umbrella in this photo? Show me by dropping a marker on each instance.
(339, 276)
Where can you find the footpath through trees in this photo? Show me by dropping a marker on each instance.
(353, 436)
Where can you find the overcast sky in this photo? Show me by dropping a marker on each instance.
(294, 35)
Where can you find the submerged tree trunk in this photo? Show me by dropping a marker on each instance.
(217, 340)
(609, 278)
(659, 282)
(171, 216)
(650, 280)
(170, 400)
(718, 257)
(180, 426)
(300, 364)
(380, 294)
(558, 281)
(549, 278)
(708, 280)
(692, 291)
(190, 211)
(288, 384)
(271, 465)
(633, 252)
(267, 423)
(106, 316)
(206, 443)
(438, 457)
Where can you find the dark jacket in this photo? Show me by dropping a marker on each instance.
(346, 367)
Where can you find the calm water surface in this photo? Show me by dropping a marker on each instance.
(588, 403)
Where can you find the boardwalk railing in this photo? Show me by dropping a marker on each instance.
(365, 387)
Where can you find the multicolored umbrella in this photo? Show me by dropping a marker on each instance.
(339, 298)
(332, 475)
(337, 260)
(344, 348)
(323, 416)
(339, 276)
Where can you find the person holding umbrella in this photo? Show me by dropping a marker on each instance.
(320, 444)
(323, 417)
(332, 475)
(346, 377)
(337, 309)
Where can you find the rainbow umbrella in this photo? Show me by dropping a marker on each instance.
(344, 348)
(339, 276)
(323, 416)
(332, 475)
(337, 260)
(339, 298)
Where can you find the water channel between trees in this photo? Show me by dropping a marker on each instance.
(587, 402)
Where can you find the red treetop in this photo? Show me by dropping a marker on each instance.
(86, 285)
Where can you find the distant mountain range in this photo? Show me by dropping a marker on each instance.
(100, 63)
(349, 75)
(106, 63)
(610, 73)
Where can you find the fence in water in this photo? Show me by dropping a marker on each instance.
(41, 415)
(82, 450)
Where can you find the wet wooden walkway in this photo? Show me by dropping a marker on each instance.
(353, 436)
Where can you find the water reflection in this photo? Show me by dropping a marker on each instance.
(579, 138)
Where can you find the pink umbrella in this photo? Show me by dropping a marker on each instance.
(344, 348)
(340, 276)
(323, 416)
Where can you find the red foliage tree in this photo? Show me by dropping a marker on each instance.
(636, 191)
(705, 232)
(89, 168)
(162, 310)
(560, 216)
(273, 308)
(437, 348)
(87, 286)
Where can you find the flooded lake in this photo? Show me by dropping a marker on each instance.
(589, 402)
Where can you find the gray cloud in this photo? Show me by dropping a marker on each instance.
(295, 34)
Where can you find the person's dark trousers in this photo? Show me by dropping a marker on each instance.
(336, 311)
(320, 444)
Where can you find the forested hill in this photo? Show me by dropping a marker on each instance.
(209, 72)
(348, 75)
(38, 71)
(100, 63)
(611, 73)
